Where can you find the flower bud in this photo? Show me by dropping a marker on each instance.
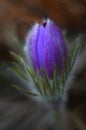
(46, 46)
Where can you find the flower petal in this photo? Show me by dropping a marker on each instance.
(61, 41)
(31, 45)
(51, 52)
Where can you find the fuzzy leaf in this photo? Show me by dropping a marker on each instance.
(18, 72)
(24, 90)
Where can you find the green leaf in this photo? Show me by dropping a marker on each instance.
(47, 80)
(17, 57)
(55, 80)
(24, 90)
(19, 73)
(39, 84)
(75, 52)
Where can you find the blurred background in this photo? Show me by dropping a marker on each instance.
(17, 17)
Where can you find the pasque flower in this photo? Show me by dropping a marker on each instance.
(46, 46)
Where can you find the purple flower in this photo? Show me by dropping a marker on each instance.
(46, 46)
